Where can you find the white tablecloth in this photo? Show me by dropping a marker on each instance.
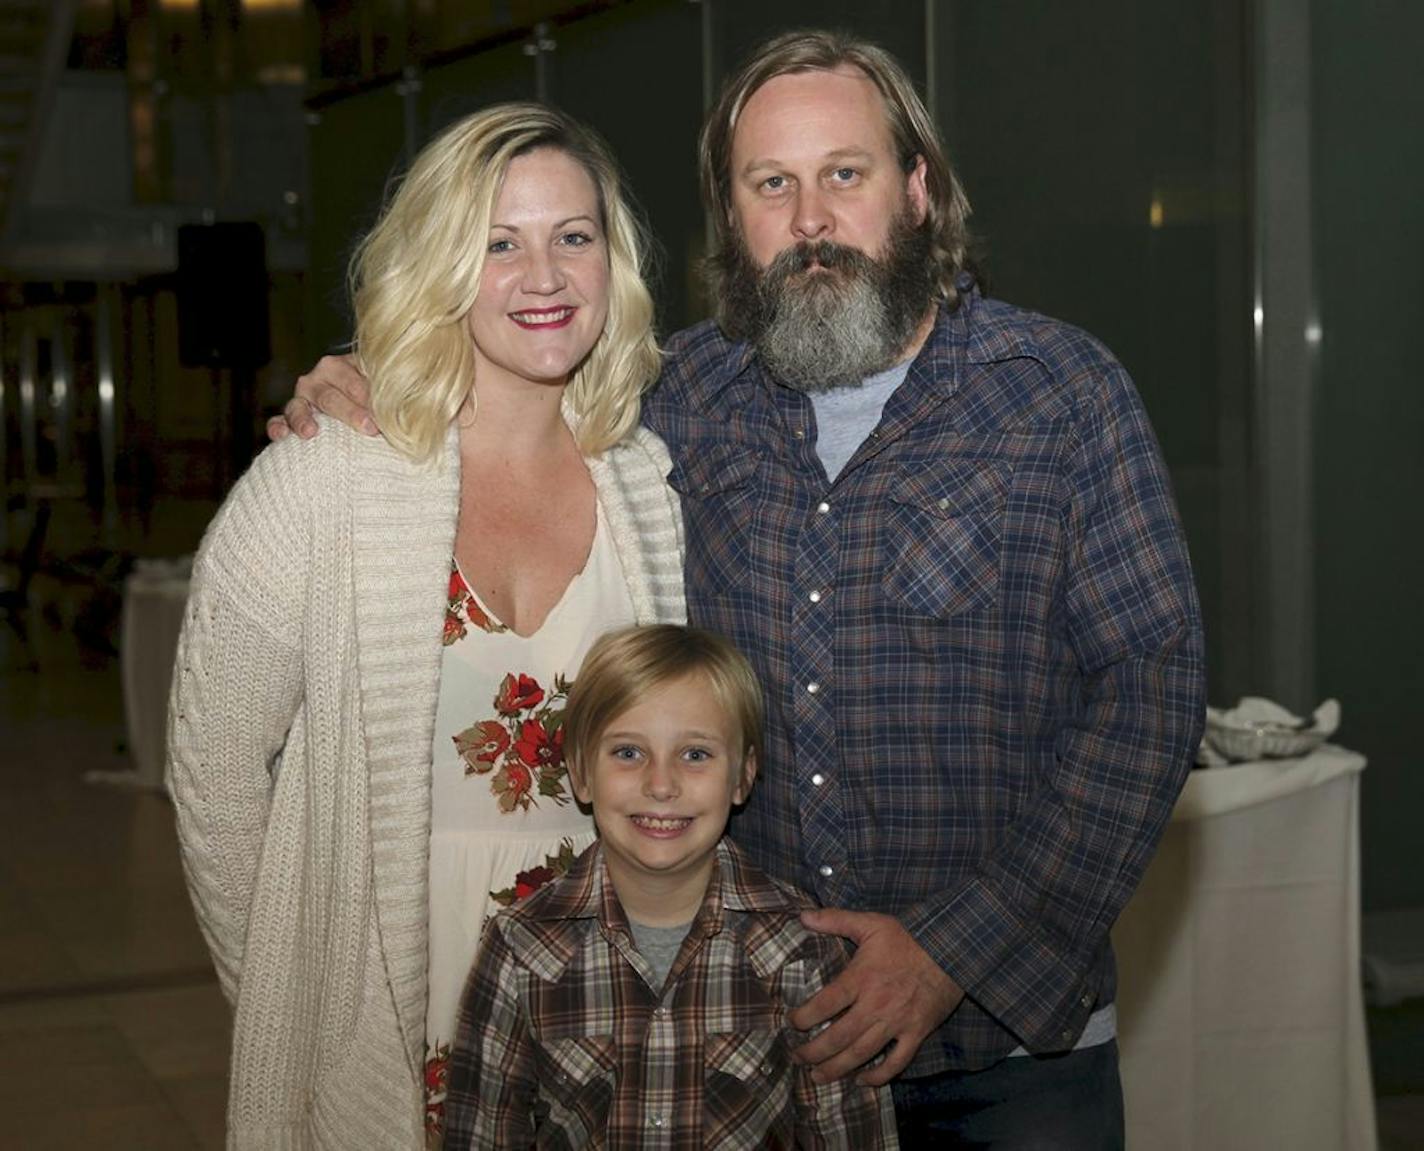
(154, 596)
(1240, 1014)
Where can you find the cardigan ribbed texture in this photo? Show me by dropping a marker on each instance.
(299, 753)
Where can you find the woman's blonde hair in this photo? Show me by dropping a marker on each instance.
(414, 278)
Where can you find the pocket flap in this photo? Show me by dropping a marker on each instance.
(579, 1059)
(746, 1055)
(954, 487)
(717, 468)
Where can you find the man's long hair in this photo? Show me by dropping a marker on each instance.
(911, 128)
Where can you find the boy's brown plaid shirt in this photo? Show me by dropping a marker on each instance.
(564, 1043)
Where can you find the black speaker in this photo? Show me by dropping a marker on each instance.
(222, 296)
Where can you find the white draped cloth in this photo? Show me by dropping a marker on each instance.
(1240, 1010)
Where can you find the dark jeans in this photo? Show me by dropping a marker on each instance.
(1069, 1102)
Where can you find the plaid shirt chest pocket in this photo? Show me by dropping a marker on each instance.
(748, 1090)
(576, 1084)
(718, 487)
(942, 534)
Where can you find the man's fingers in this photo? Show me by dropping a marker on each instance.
(851, 1042)
(827, 1003)
(300, 416)
(852, 925)
(896, 1060)
(337, 387)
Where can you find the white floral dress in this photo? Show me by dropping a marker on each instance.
(503, 817)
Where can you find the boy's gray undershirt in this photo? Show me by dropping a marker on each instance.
(659, 946)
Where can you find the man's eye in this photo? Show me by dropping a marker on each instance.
(774, 183)
(845, 175)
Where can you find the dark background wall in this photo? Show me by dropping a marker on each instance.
(1368, 177)
(1113, 152)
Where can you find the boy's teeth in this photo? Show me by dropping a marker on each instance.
(661, 824)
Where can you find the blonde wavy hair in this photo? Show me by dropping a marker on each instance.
(414, 278)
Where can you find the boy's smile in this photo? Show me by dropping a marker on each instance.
(662, 781)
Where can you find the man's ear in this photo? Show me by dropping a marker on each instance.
(747, 777)
(917, 189)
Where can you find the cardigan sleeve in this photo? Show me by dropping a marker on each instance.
(237, 684)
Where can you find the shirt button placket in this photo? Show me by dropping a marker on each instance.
(812, 650)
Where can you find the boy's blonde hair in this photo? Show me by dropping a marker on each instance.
(414, 279)
(623, 666)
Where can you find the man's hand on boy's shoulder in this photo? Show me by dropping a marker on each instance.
(337, 388)
(890, 992)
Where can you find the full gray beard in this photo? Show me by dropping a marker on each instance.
(824, 315)
(829, 332)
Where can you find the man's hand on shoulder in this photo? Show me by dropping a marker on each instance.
(890, 992)
(335, 386)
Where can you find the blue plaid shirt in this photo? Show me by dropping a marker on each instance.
(980, 646)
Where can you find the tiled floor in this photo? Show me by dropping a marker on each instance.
(112, 1031)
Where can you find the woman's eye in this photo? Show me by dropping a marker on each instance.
(774, 183)
(576, 239)
(624, 752)
(497, 246)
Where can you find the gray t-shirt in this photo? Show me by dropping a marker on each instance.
(845, 416)
(659, 946)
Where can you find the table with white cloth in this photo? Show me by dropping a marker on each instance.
(1240, 1013)
(155, 594)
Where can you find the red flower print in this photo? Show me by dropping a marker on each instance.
(512, 785)
(477, 617)
(535, 747)
(437, 1069)
(458, 590)
(516, 695)
(526, 883)
(454, 628)
(481, 746)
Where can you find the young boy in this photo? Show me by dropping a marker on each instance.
(641, 1000)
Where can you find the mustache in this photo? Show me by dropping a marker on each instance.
(808, 254)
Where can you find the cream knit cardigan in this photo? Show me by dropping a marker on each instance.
(299, 752)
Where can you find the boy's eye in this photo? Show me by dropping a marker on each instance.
(697, 754)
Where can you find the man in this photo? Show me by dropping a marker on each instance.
(941, 529)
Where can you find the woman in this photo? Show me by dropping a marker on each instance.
(365, 730)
